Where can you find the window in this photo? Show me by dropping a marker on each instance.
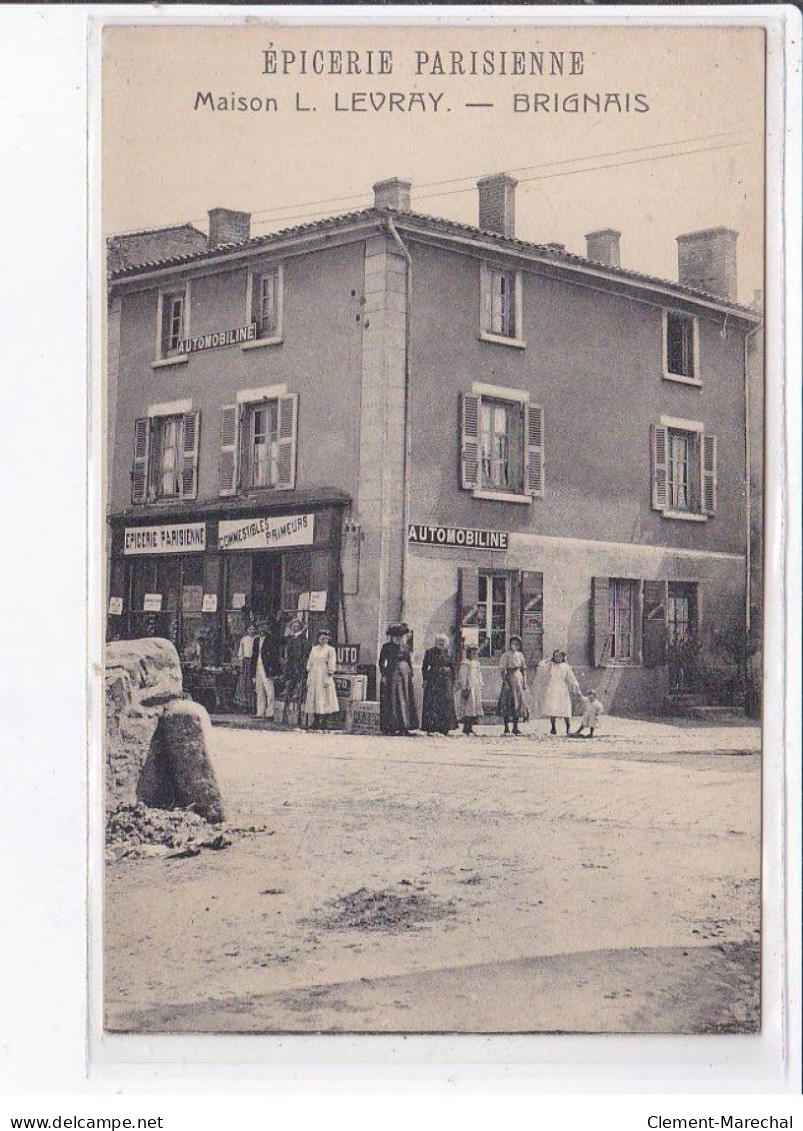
(166, 461)
(501, 307)
(680, 347)
(502, 444)
(265, 291)
(165, 464)
(173, 328)
(684, 470)
(258, 441)
(493, 614)
(620, 619)
(263, 428)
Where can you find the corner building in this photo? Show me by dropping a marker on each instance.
(386, 415)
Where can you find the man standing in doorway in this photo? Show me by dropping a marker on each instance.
(265, 667)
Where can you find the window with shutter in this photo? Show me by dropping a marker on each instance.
(534, 451)
(659, 437)
(189, 471)
(229, 415)
(500, 305)
(139, 469)
(600, 632)
(467, 603)
(709, 475)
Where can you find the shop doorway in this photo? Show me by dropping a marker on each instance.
(682, 637)
(266, 586)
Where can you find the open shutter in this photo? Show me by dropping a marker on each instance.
(600, 632)
(469, 441)
(532, 616)
(709, 475)
(139, 469)
(468, 598)
(534, 448)
(228, 449)
(189, 467)
(660, 469)
(653, 641)
(288, 430)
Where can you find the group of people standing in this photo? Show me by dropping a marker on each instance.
(442, 679)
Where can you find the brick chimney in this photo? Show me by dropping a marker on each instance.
(603, 246)
(498, 203)
(393, 193)
(228, 226)
(707, 261)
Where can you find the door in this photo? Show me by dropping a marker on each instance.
(682, 643)
(266, 585)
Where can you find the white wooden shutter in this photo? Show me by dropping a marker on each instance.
(190, 432)
(470, 441)
(708, 475)
(139, 469)
(288, 430)
(534, 450)
(660, 467)
(228, 449)
(600, 621)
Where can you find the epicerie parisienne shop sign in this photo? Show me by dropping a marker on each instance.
(179, 538)
(266, 532)
(419, 535)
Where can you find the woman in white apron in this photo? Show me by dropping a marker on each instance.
(321, 694)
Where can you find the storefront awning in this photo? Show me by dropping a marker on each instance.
(278, 501)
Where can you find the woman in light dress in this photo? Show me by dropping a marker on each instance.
(561, 683)
(470, 690)
(321, 694)
(513, 666)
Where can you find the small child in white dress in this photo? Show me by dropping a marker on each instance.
(592, 709)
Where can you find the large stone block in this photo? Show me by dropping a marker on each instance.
(152, 666)
(186, 734)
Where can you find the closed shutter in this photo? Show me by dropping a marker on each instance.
(469, 442)
(600, 631)
(139, 469)
(228, 449)
(532, 616)
(534, 450)
(653, 641)
(660, 469)
(288, 428)
(468, 598)
(189, 466)
(709, 475)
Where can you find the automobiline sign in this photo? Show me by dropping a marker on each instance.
(419, 535)
(219, 338)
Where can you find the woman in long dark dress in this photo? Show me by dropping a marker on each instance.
(388, 658)
(438, 671)
(397, 711)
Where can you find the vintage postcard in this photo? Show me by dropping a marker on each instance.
(433, 411)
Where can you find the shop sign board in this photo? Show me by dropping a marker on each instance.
(115, 606)
(352, 688)
(266, 532)
(347, 654)
(464, 537)
(219, 338)
(364, 718)
(181, 537)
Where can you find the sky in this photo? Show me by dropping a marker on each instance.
(693, 160)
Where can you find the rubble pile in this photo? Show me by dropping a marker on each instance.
(133, 826)
(384, 910)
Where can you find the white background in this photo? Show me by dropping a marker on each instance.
(46, 680)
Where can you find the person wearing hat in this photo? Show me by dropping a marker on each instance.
(265, 667)
(321, 694)
(513, 666)
(297, 650)
(438, 713)
(560, 685)
(397, 710)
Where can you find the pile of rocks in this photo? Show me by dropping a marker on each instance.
(132, 827)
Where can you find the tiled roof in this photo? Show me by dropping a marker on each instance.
(551, 252)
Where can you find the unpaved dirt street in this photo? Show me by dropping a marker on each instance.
(478, 885)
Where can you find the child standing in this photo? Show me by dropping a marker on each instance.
(592, 709)
(471, 690)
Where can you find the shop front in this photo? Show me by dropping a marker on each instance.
(200, 582)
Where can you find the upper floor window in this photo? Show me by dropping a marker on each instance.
(684, 469)
(680, 348)
(165, 464)
(258, 441)
(173, 321)
(501, 306)
(502, 444)
(265, 303)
